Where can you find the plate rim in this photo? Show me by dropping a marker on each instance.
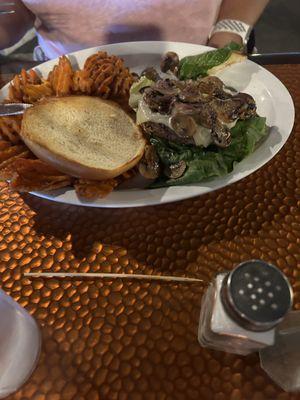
(226, 180)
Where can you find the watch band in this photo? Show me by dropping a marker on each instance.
(233, 26)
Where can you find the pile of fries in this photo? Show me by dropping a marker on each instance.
(103, 75)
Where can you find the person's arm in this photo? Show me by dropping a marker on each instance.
(14, 26)
(245, 11)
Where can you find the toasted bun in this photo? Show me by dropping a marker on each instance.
(83, 136)
(233, 59)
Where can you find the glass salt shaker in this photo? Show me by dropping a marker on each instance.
(20, 343)
(282, 360)
(241, 309)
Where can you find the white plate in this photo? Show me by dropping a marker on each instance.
(273, 102)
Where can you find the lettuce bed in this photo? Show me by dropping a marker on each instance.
(212, 162)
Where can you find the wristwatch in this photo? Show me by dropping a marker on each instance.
(233, 26)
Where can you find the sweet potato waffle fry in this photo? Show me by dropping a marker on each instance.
(10, 128)
(33, 93)
(16, 88)
(11, 146)
(82, 83)
(32, 175)
(127, 175)
(111, 79)
(103, 75)
(20, 166)
(9, 153)
(92, 190)
(61, 77)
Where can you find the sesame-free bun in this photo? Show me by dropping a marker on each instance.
(83, 136)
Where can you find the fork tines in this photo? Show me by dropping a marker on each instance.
(7, 4)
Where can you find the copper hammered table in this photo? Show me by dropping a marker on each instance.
(138, 340)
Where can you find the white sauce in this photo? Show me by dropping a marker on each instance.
(202, 137)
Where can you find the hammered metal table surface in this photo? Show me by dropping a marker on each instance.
(131, 340)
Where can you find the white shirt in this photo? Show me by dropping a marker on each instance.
(64, 26)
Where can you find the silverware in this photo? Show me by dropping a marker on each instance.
(10, 10)
(275, 58)
(2, 12)
(13, 109)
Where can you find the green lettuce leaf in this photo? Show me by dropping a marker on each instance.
(246, 135)
(140, 84)
(135, 94)
(213, 162)
(191, 67)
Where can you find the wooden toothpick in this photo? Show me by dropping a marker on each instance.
(110, 276)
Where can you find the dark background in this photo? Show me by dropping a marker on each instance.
(278, 30)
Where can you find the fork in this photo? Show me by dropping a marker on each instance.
(8, 11)
(13, 109)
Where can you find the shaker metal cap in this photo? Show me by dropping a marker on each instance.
(257, 295)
